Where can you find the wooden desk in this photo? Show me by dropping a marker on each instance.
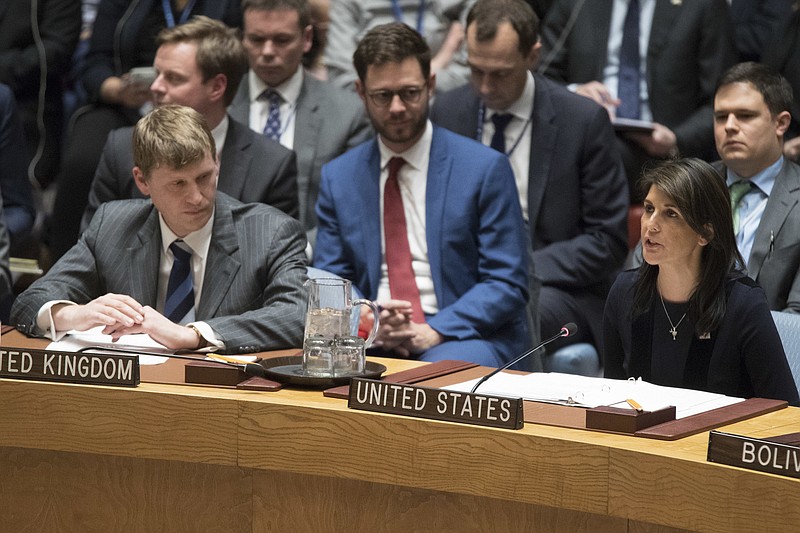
(188, 458)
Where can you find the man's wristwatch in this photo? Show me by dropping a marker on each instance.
(201, 341)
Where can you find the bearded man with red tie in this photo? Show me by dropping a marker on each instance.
(424, 221)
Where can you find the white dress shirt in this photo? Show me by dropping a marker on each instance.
(413, 180)
(259, 107)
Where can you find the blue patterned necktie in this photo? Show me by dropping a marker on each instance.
(500, 121)
(179, 304)
(273, 128)
(628, 89)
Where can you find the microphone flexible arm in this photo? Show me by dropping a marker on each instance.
(566, 331)
(251, 369)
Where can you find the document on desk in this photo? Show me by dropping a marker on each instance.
(582, 391)
(83, 340)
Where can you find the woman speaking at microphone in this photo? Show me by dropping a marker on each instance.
(689, 316)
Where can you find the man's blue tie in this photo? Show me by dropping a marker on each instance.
(628, 89)
(179, 304)
(273, 128)
(499, 137)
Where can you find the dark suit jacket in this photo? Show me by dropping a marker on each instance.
(252, 296)
(690, 46)
(18, 209)
(743, 358)
(474, 229)
(775, 257)
(781, 54)
(252, 169)
(328, 122)
(577, 190)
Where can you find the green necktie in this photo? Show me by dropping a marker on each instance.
(738, 191)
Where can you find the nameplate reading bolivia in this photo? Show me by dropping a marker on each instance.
(754, 454)
(70, 367)
(438, 404)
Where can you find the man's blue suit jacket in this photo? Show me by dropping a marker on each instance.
(475, 234)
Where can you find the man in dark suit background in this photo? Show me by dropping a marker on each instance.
(316, 119)
(751, 116)
(682, 48)
(424, 221)
(200, 64)
(236, 270)
(569, 174)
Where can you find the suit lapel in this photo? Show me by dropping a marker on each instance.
(600, 13)
(223, 263)
(233, 161)
(307, 126)
(664, 16)
(543, 140)
(435, 205)
(146, 255)
(240, 107)
(369, 200)
(782, 200)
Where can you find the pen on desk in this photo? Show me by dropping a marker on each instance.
(635, 405)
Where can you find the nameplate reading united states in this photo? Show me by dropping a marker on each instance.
(436, 404)
(70, 367)
(754, 454)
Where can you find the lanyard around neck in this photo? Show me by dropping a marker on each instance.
(169, 17)
(479, 133)
(398, 14)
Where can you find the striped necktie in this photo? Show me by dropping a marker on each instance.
(179, 303)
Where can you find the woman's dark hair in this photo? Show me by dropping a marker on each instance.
(700, 194)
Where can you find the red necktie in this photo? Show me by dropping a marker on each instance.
(402, 283)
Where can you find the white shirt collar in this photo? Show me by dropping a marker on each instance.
(220, 133)
(198, 241)
(416, 156)
(289, 90)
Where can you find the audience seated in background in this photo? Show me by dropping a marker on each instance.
(25, 36)
(781, 54)
(19, 212)
(689, 317)
(670, 81)
(424, 221)
(314, 118)
(191, 267)
(440, 22)
(200, 64)
(123, 37)
(569, 174)
(751, 116)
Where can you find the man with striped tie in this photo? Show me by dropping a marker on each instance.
(190, 266)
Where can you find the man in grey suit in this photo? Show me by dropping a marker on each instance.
(318, 120)
(235, 271)
(200, 64)
(751, 116)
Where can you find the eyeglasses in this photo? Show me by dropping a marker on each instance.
(409, 95)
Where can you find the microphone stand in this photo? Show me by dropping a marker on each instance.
(566, 331)
(251, 369)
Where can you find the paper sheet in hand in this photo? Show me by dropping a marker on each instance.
(629, 124)
(581, 391)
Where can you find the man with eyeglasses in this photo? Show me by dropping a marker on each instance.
(424, 221)
(316, 119)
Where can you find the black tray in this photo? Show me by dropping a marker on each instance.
(289, 370)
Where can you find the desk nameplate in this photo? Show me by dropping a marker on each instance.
(436, 404)
(69, 367)
(754, 454)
